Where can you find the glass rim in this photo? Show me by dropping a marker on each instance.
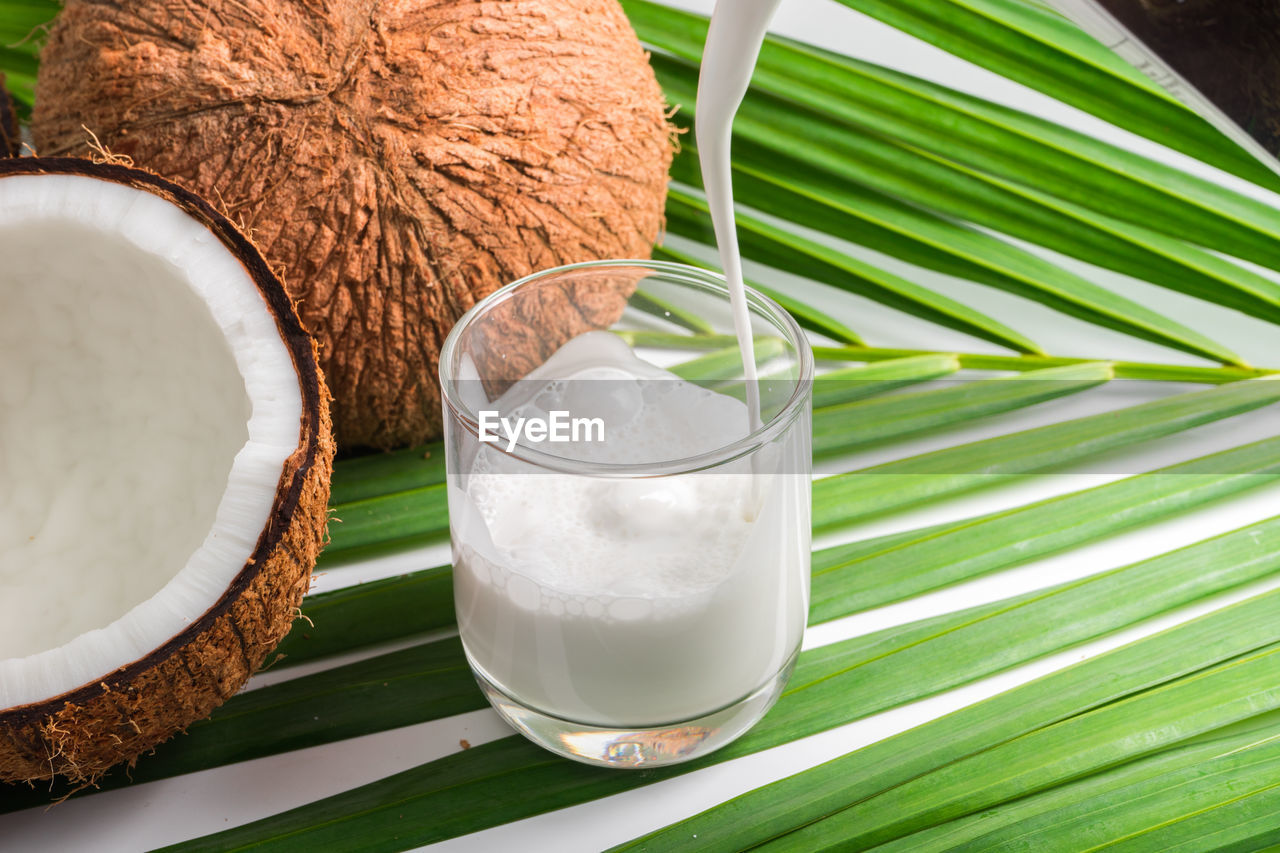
(722, 455)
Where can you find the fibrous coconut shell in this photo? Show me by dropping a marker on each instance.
(397, 161)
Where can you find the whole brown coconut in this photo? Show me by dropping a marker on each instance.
(397, 161)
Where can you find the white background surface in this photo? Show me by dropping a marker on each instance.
(164, 812)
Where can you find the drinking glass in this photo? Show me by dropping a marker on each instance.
(635, 593)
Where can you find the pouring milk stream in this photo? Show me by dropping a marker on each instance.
(734, 38)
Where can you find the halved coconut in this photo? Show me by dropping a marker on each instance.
(165, 455)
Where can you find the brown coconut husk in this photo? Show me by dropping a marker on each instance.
(10, 139)
(114, 719)
(397, 161)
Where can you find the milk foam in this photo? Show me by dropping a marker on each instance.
(577, 537)
(651, 415)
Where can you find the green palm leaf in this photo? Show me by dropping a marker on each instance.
(965, 129)
(857, 424)
(921, 178)
(1210, 785)
(1150, 371)
(896, 485)
(1036, 47)
(799, 193)
(21, 27)
(984, 361)
(808, 317)
(849, 384)
(369, 614)
(1211, 658)
(21, 21)
(1100, 738)
(851, 579)
(722, 365)
(687, 215)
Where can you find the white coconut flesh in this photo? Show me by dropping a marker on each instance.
(147, 407)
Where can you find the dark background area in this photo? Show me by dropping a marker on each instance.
(1228, 49)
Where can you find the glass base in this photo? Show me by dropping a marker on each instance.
(659, 746)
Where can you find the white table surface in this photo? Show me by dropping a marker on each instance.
(158, 813)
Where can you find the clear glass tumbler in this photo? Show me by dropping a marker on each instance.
(631, 547)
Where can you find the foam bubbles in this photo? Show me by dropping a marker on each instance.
(524, 592)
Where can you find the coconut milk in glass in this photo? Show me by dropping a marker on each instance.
(631, 545)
